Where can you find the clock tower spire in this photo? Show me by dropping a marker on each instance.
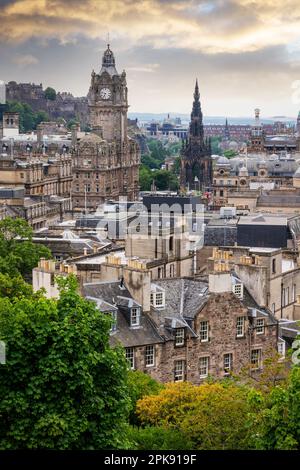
(107, 99)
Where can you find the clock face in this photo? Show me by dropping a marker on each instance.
(105, 93)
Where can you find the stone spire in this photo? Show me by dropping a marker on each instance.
(196, 125)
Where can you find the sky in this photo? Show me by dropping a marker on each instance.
(245, 53)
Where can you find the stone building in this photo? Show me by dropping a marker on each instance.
(196, 162)
(270, 275)
(242, 175)
(182, 328)
(106, 161)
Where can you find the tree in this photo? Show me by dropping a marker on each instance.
(210, 416)
(14, 287)
(62, 386)
(279, 421)
(18, 254)
(230, 153)
(140, 385)
(50, 93)
(72, 122)
(145, 178)
(40, 116)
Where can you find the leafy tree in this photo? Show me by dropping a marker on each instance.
(62, 386)
(158, 438)
(18, 254)
(165, 180)
(72, 122)
(215, 148)
(145, 178)
(14, 287)
(50, 93)
(210, 416)
(140, 385)
(230, 153)
(40, 116)
(279, 421)
(28, 118)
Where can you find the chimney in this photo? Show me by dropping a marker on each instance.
(219, 281)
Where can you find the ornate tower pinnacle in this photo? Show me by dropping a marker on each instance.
(196, 125)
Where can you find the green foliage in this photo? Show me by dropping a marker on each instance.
(279, 421)
(50, 93)
(163, 179)
(18, 254)
(140, 385)
(62, 386)
(28, 118)
(210, 416)
(14, 287)
(72, 122)
(215, 149)
(158, 438)
(230, 153)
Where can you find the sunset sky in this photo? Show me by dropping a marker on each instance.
(245, 53)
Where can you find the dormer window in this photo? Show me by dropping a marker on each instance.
(179, 337)
(135, 316)
(157, 298)
(113, 327)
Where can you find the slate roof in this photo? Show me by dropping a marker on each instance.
(109, 293)
(183, 298)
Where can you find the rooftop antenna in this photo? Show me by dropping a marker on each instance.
(107, 39)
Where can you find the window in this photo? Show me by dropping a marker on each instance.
(149, 356)
(129, 353)
(159, 273)
(281, 349)
(88, 188)
(152, 298)
(228, 360)
(179, 371)
(114, 323)
(135, 316)
(260, 326)
(221, 193)
(77, 188)
(97, 188)
(240, 327)
(256, 358)
(203, 333)
(294, 293)
(179, 337)
(238, 290)
(88, 175)
(77, 175)
(159, 299)
(203, 367)
(22, 175)
(274, 266)
(273, 308)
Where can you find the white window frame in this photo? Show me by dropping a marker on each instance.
(281, 347)
(135, 316)
(179, 336)
(203, 338)
(150, 354)
(227, 368)
(238, 290)
(203, 367)
(240, 323)
(260, 328)
(129, 353)
(114, 316)
(257, 365)
(179, 370)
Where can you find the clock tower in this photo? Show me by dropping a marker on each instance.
(107, 99)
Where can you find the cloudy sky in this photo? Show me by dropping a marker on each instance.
(245, 53)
